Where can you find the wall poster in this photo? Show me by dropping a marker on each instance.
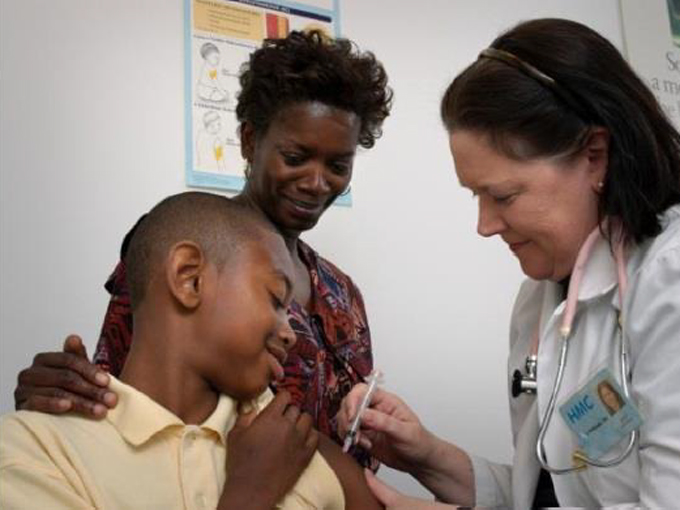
(651, 33)
(219, 37)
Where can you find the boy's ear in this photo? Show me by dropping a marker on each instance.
(185, 273)
(247, 141)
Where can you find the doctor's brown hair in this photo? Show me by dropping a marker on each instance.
(525, 116)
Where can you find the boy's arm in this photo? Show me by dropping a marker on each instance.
(23, 487)
(28, 479)
(351, 475)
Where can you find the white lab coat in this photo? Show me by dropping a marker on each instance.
(650, 476)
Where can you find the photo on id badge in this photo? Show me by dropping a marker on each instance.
(600, 414)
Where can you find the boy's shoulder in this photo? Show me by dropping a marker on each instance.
(19, 423)
(34, 420)
(37, 469)
(34, 437)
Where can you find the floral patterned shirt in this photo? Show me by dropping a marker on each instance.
(332, 352)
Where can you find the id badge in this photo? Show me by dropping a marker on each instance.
(600, 414)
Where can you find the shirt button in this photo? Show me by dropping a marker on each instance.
(191, 434)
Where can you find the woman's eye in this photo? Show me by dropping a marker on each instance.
(293, 159)
(340, 168)
(504, 199)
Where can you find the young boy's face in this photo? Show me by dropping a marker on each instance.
(244, 329)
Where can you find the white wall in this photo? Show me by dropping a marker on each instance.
(91, 136)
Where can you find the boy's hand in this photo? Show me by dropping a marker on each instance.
(266, 454)
(58, 382)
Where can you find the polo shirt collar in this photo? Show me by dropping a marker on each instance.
(137, 417)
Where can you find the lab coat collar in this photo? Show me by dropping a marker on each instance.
(599, 277)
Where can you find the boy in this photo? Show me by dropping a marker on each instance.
(210, 284)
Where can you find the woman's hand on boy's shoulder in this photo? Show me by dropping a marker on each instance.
(267, 453)
(59, 382)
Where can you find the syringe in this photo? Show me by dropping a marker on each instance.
(372, 382)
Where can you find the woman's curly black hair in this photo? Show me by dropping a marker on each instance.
(309, 66)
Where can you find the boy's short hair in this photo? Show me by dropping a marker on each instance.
(217, 224)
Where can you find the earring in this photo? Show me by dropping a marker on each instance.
(246, 170)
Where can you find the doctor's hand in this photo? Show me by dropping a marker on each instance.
(394, 500)
(389, 429)
(59, 382)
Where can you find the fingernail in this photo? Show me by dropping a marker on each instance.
(101, 378)
(365, 443)
(99, 410)
(64, 404)
(109, 399)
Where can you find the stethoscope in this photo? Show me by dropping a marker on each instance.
(526, 383)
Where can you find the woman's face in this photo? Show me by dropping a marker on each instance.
(543, 208)
(300, 165)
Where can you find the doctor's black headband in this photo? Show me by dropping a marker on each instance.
(575, 103)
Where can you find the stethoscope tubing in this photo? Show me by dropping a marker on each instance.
(565, 334)
(549, 411)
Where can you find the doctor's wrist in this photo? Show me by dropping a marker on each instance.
(446, 471)
(428, 458)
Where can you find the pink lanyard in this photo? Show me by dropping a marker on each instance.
(575, 283)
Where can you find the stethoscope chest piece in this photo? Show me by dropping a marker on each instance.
(525, 382)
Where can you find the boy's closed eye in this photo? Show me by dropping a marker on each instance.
(277, 299)
(281, 290)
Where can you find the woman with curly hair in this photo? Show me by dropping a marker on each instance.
(306, 103)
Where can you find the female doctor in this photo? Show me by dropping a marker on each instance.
(576, 167)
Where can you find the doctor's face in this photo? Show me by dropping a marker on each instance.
(542, 208)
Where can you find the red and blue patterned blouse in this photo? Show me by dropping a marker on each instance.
(332, 352)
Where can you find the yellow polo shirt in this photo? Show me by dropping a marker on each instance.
(140, 457)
